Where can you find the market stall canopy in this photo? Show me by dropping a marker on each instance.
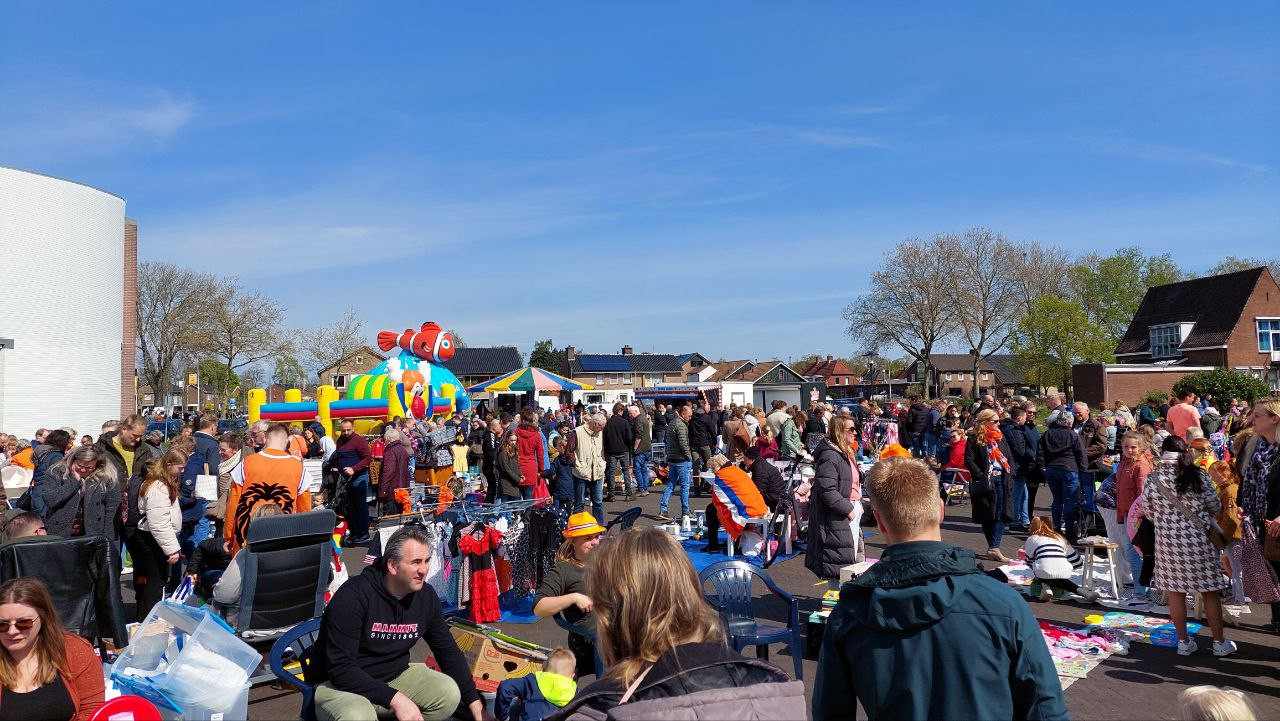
(530, 379)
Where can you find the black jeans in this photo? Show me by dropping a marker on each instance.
(713, 526)
(150, 573)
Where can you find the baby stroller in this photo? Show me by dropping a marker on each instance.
(953, 480)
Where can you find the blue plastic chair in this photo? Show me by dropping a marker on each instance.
(731, 583)
(624, 521)
(575, 628)
(298, 639)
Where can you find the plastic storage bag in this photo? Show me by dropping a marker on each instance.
(188, 662)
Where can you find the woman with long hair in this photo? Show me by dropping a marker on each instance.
(45, 672)
(835, 509)
(564, 590)
(1179, 499)
(991, 468)
(663, 643)
(1258, 463)
(159, 526)
(81, 495)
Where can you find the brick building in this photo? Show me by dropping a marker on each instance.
(616, 377)
(361, 360)
(953, 375)
(841, 382)
(1227, 321)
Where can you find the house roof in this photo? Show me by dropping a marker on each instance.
(827, 368)
(724, 369)
(1214, 304)
(1001, 365)
(370, 350)
(468, 361)
(633, 363)
(759, 371)
(686, 357)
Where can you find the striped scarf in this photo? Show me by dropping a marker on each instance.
(991, 437)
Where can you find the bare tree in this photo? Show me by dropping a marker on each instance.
(331, 346)
(171, 301)
(909, 303)
(988, 306)
(241, 328)
(1037, 271)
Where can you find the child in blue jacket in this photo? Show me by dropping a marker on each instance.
(538, 695)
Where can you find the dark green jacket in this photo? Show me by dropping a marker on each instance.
(926, 634)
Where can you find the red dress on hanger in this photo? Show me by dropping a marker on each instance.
(480, 546)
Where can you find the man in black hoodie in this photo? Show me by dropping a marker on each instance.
(360, 661)
(703, 430)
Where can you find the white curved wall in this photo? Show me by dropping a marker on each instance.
(61, 301)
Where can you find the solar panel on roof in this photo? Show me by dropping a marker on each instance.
(603, 364)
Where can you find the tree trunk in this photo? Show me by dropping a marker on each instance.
(977, 378)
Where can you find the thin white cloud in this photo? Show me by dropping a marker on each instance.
(45, 132)
(840, 139)
(1172, 154)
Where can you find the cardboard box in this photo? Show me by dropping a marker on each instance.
(492, 660)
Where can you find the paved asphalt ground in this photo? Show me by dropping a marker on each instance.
(1143, 685)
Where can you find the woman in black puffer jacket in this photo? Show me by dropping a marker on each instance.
(836, 502)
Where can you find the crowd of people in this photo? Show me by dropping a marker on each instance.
(1185, 470)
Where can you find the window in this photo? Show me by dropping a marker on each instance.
(695, 363)
(339, 381)
(599, 379)
(613, 379)
(1269, 335)
(1165, 340)
(359, 360)
(986, 376)
(947, 376)
(626, 379)
(653, 379)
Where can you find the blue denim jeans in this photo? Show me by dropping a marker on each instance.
(929, 446)
(680, 474)
(1065, 487)
(580, 486)
(1134, 558)
(1020, 514)
(640, 465)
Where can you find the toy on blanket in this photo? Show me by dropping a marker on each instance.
(1136, 627)
(829, 599)
(737, 500)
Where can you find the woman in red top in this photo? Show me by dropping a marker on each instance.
(45, 672)
(530, 450)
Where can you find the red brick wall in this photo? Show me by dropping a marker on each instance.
(1242, 345)
(128, 341)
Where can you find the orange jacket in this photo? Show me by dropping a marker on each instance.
(270, 476)
(23, 458)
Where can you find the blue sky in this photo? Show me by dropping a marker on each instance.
(717, 177)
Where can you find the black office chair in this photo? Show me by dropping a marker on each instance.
(287, 570)
(81, 577)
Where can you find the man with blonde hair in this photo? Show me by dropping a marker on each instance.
(924, 633)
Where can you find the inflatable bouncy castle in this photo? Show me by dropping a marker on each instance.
(405, 385)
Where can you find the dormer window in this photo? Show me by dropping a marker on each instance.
(1165, 340)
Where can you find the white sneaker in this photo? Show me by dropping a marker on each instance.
(1224, 648)
(1135, 602)
(1188, 647)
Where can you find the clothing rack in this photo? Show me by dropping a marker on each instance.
(471, 510)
